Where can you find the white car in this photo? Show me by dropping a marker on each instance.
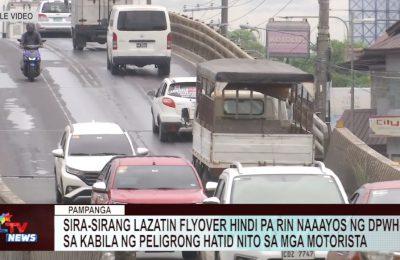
(54, 16)
(173, 106)
(83, 151)
(275, 185)
(140, 36)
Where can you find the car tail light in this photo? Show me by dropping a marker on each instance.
(355, 256)
(168, 102)
(169, 41)
(115, 41)
(43, 18)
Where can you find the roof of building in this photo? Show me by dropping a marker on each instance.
(389, 41)
(375, 54)
(361, 128)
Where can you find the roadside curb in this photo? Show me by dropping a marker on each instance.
(7, 196)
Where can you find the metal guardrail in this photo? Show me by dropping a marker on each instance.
(202, 40)
(321, 135)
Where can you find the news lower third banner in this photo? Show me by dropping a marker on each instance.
(199, 227)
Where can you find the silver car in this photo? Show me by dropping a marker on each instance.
(54, 16)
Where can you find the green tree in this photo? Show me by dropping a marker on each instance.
(247, 40)
(341, 77)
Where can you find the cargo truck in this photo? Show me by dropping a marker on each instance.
(255, 112)
(89, 20)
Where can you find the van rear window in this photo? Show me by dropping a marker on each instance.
(142, 21)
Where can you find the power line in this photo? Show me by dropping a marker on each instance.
(238, 18)
(230, 6)
(278, 12)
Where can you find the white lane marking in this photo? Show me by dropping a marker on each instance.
(57, 99)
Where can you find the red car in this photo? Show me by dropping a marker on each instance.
(148, 180)
(387, 192)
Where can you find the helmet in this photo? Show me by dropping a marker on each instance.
(30, 27)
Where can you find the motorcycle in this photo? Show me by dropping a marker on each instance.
(31, 61)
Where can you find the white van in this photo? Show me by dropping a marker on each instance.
(139, 35)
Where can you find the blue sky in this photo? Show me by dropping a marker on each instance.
(266, 9)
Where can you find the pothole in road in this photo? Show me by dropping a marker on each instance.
(18, 115)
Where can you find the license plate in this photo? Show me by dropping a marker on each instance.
(57, 19)
(298, 255)
(141, 45)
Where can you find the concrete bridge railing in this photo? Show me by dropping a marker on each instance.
(356, 163)
(198, 38)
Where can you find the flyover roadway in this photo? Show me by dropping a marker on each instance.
(75, 86)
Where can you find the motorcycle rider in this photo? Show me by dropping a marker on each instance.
(30, 37)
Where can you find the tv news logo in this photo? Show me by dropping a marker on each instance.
(15, 231)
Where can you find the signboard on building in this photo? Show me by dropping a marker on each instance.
(385, 125)
(288, 39)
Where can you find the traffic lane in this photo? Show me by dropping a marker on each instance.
(31, 121)
(128, 93)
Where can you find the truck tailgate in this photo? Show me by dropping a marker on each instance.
(219, 150)
(256, 148)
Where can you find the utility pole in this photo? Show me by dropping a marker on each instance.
(224, 17)
(149, 2)
(323, 59)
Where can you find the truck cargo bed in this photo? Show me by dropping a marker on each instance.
(219, 150)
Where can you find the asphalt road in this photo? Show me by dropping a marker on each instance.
(75, 86)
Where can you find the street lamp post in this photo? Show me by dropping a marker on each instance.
(351, 47)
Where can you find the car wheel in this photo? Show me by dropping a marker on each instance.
(162, 134)
(108, 63)
(205, 175)
(58, 193)
(114, 68)
(164, 70)
(154, 126)
(189, 255)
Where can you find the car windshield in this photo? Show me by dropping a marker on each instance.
(285, 189)
(156, 177)
(184, 90)
(142, 21)
(99, 145)
(388, 196)
(243, 107)
(56, 7)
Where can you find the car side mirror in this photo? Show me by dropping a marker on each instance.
(185, 115)
(141, 151)
(99, 187)
(151, 93)
(212, 200)
(19, 40)
(58, 153)
(211, 186)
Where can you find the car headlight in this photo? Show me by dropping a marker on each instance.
(379, 256)
(73, 171)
